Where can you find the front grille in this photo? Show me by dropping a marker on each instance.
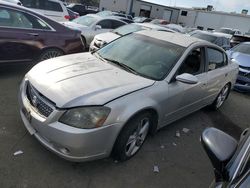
(244, 74)
(245, 68)
(38, 101)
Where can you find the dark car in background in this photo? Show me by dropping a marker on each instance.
(27, 36)
(82, 9)
(72, 15)
(237, 39)
(230, 158)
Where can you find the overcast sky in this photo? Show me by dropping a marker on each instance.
(220, 5)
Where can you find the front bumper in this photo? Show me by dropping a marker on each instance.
(70, 143)
(242, 83)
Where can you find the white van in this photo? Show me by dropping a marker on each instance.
(53, 9)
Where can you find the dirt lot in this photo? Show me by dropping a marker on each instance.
(181, 161)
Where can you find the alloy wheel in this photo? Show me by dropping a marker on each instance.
(136, 140)
(222, 96)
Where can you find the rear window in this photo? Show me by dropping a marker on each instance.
(43, 4)
(85, 20)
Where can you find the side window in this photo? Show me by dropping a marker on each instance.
(11, 18)
(106, 24)
(53, 6)
(31, 3)
(219, 41)
(193, 63)
(116, 24)
(216, 59)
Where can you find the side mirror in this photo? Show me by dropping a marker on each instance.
(187, 78)
(219, 147)
(98, 27)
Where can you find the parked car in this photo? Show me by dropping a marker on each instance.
(230, 31)
(142, 19)
(159, 22)
(27, 36)
(175, 27)
(82, 9)
(92, 24)
(72, 15)
(102, 39)
(237, 39)
(53, 9)
(118, 14)
(230, 158)
(87, 106)
(17, 2)
(241, 55)
(216, 38)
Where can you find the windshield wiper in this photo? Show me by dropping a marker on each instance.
(117, 33)
(124, 66)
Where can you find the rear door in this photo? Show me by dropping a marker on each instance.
(217, 71)
(21, 35)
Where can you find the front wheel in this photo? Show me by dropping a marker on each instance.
(50, 53)
(221, 98)
(132, 137)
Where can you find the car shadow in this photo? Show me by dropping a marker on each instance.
(18, 69)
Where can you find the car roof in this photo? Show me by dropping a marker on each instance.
(154, 26)
(176, 38)
(216, 34)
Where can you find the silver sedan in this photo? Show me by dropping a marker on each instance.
(92, 24)
(89, 106)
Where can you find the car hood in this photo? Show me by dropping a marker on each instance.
(241, 58)
(75, 26)
(82, 79)
(107, 37)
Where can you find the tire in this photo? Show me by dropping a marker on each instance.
(50, 53)
(221, 98)
(132, 137)
(84, 44)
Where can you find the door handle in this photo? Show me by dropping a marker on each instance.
(226, 74)
(33, 34)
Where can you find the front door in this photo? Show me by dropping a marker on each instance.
(186, 98)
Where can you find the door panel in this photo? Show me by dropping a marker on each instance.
(21, 35)
(186, 98)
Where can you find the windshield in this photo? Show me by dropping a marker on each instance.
(202, 36)
(126, 29)
(242, 48)
(85, 20)
(227, 31)
(148, 57)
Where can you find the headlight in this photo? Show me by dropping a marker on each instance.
(100, 43)
(85, 117)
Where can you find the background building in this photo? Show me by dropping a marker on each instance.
(203, 17)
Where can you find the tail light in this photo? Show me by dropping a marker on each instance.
(67, 17)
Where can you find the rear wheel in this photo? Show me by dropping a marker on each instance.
(132, 137)
(84, 43)
(221, 98)
(50, 53)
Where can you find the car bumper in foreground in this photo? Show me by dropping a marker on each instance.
(242, 83)
(70, 143)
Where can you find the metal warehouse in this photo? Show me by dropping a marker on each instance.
(141, 8)
(204, 18)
